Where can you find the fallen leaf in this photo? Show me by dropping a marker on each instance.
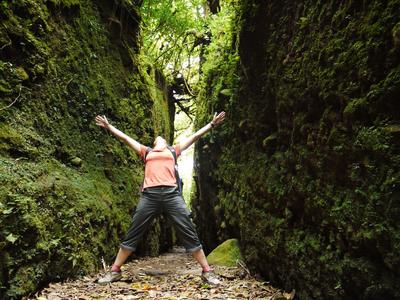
(290, 296)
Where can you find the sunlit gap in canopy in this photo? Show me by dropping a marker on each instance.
(184, 126)
(175, 34)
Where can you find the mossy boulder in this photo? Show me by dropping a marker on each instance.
(226, 254)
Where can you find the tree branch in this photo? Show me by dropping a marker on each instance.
(185, 110)
(15, 100)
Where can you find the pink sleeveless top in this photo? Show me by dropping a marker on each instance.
(159, 167)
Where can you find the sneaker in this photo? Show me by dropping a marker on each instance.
(210, 278)
(110, 277)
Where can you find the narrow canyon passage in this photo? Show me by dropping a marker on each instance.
(304, 171)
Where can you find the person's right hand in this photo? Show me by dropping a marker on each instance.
(102, 122)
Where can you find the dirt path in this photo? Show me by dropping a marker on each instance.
(171, 276)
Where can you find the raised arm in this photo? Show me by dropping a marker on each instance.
(217, 119)
(103, 122)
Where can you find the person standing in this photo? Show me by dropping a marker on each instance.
(160, 194)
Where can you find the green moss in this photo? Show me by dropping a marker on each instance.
(69, 187)
(5, 87)
(394, 128)
(226, 254)
(269, 140)
(396, 35)
(355, 105)
(10, 138)
(21, 74)
(303, 172)
(76, 161)
(66, 3)
(373, 139)
(26, 279)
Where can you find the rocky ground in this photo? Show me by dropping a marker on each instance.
(170, 276)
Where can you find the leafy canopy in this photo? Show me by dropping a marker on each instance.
(171, 29)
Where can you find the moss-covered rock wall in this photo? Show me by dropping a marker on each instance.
(67, 187)
(306, 170)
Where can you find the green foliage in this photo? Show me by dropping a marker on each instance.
(175, 33)
(224, 87)
(170, 29)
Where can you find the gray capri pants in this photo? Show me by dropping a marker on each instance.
(157, 200)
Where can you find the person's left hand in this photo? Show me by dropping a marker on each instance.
(218, 118)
